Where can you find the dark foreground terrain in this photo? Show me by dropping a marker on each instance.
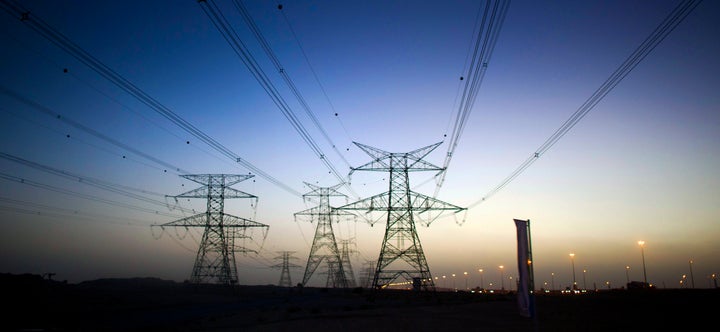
(147, 304)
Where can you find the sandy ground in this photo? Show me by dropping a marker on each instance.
(147, 304)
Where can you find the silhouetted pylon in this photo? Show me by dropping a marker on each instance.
(367, 274)
(215, 260)
(347, 266)
(401, 254)
(285, 256)
(324, 247)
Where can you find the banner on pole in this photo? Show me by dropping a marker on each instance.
(524, 257)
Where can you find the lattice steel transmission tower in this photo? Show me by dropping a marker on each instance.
(324, 247)
(401, 254)
(285, 256)
(347, 266)
(215, 260)
(367, 274)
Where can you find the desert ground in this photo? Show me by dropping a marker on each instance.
(34, 303)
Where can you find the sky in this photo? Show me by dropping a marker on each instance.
(640, 165)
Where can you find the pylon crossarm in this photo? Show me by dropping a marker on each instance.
(244, 250)
(324, 191)
(313, 211)
(420, 153)
(229, 179)
(202, 192)
(422, 166)
(198, 220)
(422, 203)
(370, 204)
(230, 220)
(371, 210)
(373, 152)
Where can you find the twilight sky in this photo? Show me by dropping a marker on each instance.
(641, 165)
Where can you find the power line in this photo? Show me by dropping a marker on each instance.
(58, 212)
(677, 15)
(67, 45)
(488, 32)
(36, 184)
(126, 191)
(42, 109)
(312, 70)
(283, 72)
(230, 35)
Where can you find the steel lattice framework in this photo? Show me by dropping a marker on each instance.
(215, 260)
(347, 265)
(285, 256)
(324, 247)
(401, 254)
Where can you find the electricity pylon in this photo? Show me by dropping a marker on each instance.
(286, 256)
(324, 247)
(347, 266)
(215, 260)
(401, 253)
(367, 274)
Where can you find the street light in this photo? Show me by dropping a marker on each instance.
(454, 288)
(692, 278)
(444, 282)
(466, 280)
(482, 283)
(572, 260)
(627, 273)
(584, 284)
(502, 278)
(552, 280)
(642, 252)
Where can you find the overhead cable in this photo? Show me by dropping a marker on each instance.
(488, 32)
(60, 40)
(231, 36)
(678, 14)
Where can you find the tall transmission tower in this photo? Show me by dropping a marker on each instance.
(367, 274)
(347, 266)
(401, 254)
(215, 260)
(285, 256)
(324, 247)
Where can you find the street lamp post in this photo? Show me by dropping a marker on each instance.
(584, 284)
(552, 280)
(466, 277)
(454, 288)
(627, 273)
(642, 253)
(692, 278)
(572, 261)
(444, 282)
(482, 282)
(502, 278)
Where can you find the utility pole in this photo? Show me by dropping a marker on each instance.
(215, 260)
(401, 254)
(285, 256)
(324, 247)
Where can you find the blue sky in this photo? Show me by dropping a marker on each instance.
(642, 165)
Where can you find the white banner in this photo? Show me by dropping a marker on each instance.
(523, 257)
